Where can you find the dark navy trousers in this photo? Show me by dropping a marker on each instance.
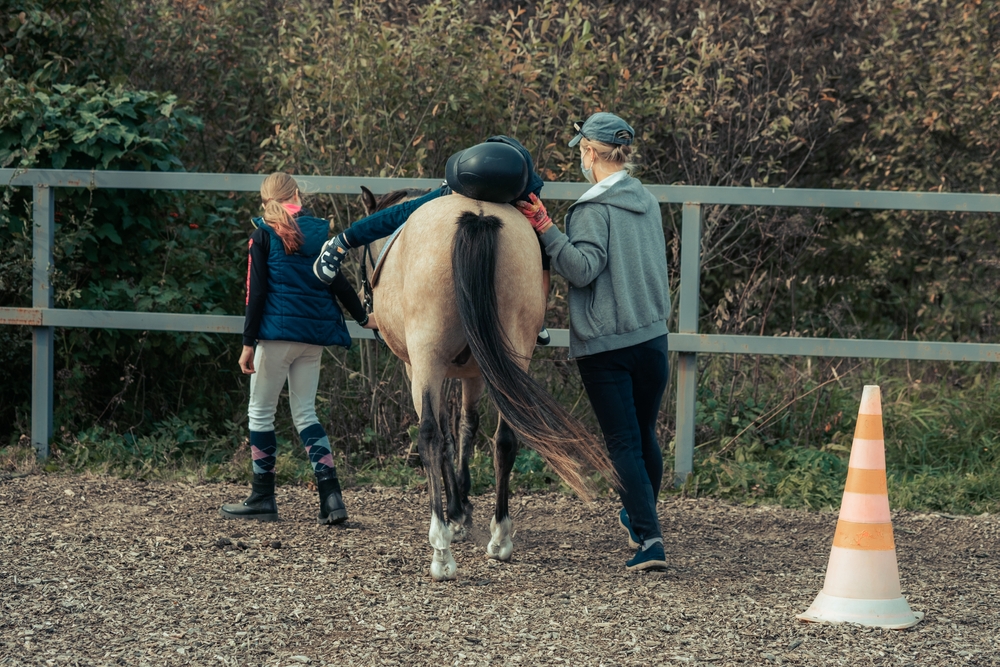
(626, 388)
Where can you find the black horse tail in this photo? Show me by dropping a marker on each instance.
(535, 416)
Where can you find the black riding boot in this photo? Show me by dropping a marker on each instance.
(261, 504)
(331, 504)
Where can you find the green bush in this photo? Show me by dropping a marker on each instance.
(116, 250)
(214, 56)
(925, 118)
(58, 41)
(890, 95)
(786, 437)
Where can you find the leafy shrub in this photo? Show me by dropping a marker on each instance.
(58, 41)
(926, 102)
(785, 94)
(116, 250)
(93, 125)
(213, 55)
(759, 443)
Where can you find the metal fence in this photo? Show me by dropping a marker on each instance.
(687, 342)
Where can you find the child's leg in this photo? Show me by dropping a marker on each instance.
(543, 335)
(366, 230)
(271, 364)
(383, 223)
(303, 381)
(271, 359)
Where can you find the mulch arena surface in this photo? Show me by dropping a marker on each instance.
(104, 571)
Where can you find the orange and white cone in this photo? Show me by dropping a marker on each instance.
(862, 577)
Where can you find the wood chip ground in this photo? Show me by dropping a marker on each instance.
(103, 571)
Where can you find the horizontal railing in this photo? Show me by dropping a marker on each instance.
(678, 342)
(687, 342)
(667, 194)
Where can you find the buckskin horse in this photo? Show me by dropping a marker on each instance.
(459, 295)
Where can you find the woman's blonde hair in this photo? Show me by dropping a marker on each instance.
(277, 189)
(620, 156)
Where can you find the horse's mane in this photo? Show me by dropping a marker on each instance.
(398, 196)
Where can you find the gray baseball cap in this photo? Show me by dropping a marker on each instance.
(605, 127)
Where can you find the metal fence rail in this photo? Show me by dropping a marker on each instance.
(687, 342)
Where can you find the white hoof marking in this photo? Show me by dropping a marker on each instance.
(443, 566)
(440, 534)
(500, 547)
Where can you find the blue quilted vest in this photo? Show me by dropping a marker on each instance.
(299, 307)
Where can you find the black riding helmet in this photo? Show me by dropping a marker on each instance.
(491, 171)
(535, 183)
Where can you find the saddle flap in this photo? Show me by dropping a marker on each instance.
(382, 254)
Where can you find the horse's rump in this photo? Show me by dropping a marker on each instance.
(415, 296)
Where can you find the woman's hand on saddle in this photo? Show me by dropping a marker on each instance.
(372, 323)
(246, 360)
(535, 213)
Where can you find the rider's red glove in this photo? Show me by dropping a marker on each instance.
(535, 213)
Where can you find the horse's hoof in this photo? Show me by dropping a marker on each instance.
(501, 551)
(500, 547)
(443, 566)
(459, 532)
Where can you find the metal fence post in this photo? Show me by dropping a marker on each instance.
(42, 338)
(687, 322)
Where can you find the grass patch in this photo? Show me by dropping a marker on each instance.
(942, 435)
(183, 450)
(788, 442)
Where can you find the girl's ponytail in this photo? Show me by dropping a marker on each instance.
(277, 189)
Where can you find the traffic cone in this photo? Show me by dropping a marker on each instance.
(862, 578)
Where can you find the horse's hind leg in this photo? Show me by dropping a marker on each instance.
(505, 451)
(430, 443)
(452, 485)
(472, 391)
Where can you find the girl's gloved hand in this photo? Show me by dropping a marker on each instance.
(535, 213)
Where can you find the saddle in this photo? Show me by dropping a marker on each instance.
(367, 284)
(377, 264)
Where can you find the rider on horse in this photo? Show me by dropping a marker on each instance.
(487, 172)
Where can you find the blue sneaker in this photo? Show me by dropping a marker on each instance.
(543, 337)
(327, 265)
(651, 558)
(623, 520)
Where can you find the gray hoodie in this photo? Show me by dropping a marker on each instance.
(615, 258)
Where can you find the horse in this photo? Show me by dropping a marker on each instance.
(460, 295)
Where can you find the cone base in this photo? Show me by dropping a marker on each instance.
(889, 614)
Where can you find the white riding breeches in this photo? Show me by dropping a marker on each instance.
(274, 362)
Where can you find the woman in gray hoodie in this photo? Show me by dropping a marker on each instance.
(614, 256)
